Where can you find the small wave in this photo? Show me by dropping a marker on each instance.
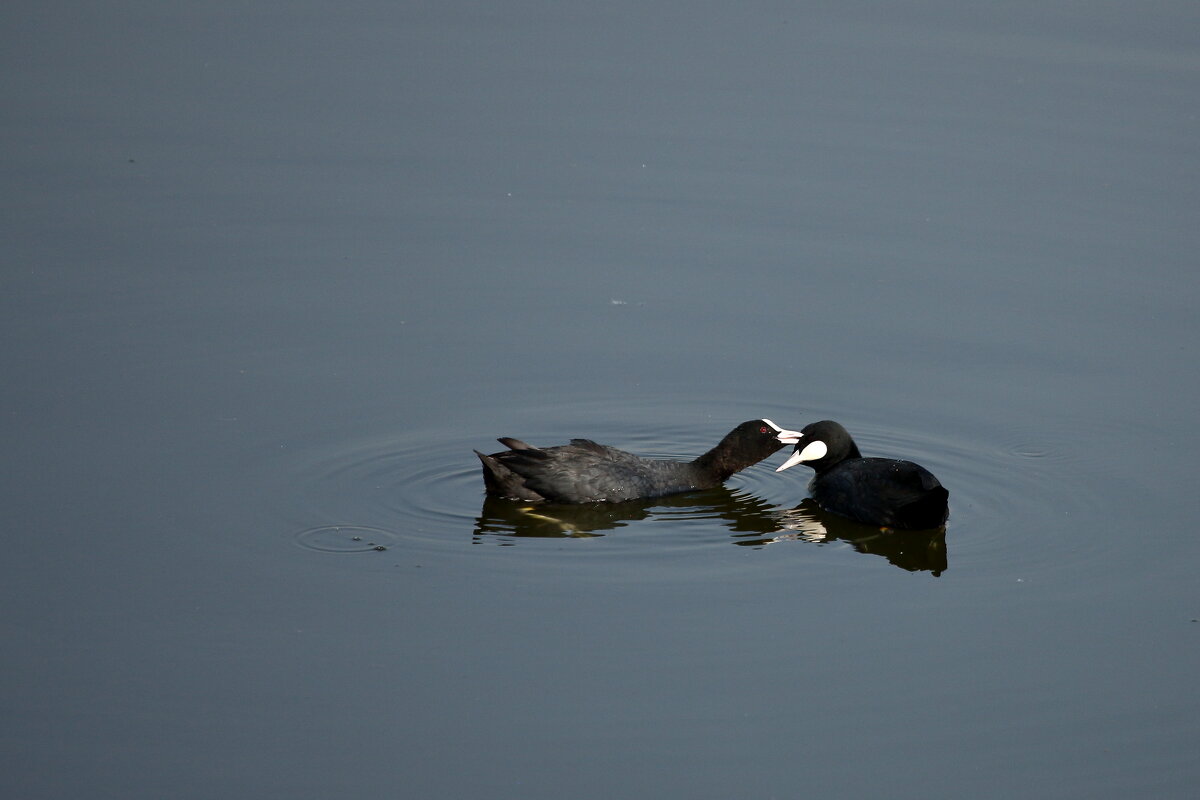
(346, 539)
(421, 490)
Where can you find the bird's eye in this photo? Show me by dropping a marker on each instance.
(763, 429)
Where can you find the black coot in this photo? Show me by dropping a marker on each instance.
(876, 491)
(586, 472)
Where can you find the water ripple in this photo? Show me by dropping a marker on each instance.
(346, 539)
(421, 490)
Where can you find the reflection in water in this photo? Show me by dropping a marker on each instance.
(544, 521)
(741, 512)
(915, 551)
(753, 523)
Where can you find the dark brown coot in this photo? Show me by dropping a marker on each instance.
(586, 472)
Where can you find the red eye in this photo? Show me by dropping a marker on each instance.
(762, 429)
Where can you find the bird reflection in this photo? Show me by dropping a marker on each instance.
(751, 521)
(504, 517)
(510, 518)
(912, 550)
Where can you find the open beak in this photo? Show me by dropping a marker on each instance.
(784, 437)
(788, 437)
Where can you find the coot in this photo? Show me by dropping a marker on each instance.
(876, 491)
(586, 472)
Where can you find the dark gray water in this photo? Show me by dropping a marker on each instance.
(271, 273)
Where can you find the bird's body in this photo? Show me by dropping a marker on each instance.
(876, 491)
(584, 471)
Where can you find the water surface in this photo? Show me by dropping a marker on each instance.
(273, 274)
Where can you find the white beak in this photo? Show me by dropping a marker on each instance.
(788, 437)
(784, 436)
(792, 461)
(813, 451)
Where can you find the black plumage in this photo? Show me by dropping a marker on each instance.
(877, 491)
(584, 471)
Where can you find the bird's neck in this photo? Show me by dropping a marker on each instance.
(720, 461)
(826, 464)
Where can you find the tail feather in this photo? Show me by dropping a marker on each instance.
(501, 481)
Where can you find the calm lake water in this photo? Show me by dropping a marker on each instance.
(271, 274)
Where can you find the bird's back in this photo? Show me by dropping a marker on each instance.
(883, 491)
(584, 471)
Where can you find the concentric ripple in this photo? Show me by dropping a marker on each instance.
(346, 539)
(420, 493)
(1012, 494)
